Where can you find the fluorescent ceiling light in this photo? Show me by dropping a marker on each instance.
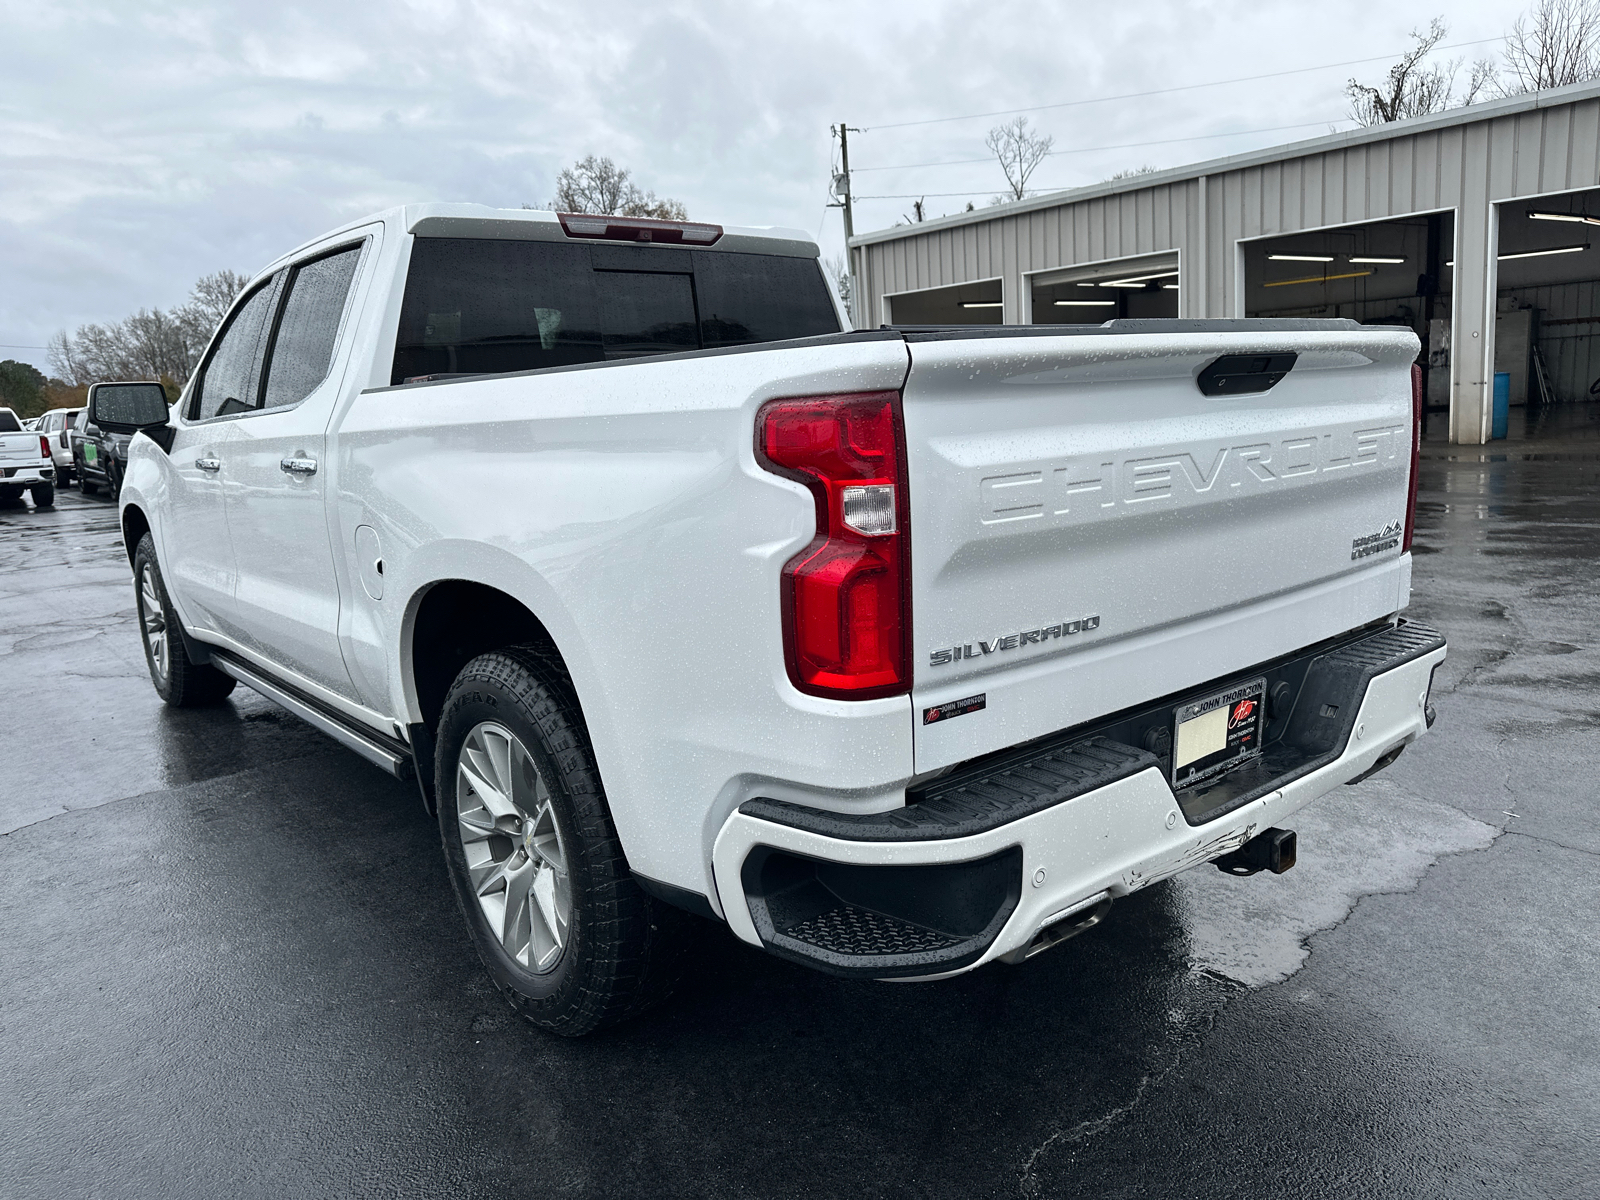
(1138, 280)
(1086, 303)
(1300, 257)
(1536, 253)
(1086, 285)
(1540, 253)
(1575, 218)
(1372, 258)
(981, 304)
(1169, 287)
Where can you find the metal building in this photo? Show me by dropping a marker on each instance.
(1471, 226)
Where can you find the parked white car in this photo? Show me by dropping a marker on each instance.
(25, 464)
(899, 652)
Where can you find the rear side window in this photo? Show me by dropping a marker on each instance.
(232, 377)
(485, 306)
(302, 348)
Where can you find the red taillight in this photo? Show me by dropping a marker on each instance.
(846, 596)
(44, 446)
(639, 229)
(1416, 456)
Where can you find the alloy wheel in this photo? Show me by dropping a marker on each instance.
(153, 622)
(515, 856)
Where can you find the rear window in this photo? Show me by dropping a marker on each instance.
(483, 306)
(9, 422)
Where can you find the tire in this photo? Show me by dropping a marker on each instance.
(44, 495)
(518, 791)
(87, 488)
(179, 681)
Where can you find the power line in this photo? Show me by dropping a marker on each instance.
(1086, 150)
(1123, 146)
(1188, 87)
(13, 346)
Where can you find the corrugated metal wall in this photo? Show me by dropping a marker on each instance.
(1465, 160)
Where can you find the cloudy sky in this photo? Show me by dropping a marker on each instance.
(144, 145)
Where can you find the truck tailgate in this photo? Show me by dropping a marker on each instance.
(18, 448)
(1090, 531)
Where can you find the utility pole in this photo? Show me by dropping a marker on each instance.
(841, 189)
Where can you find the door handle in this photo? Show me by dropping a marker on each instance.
(299, 466)
(208, 464)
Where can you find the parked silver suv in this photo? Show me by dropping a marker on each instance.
(56, 425)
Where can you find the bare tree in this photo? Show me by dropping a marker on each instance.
(1556, 44)
(840, 274)
(1020, 150)
(151, 344)
(1131, 173)
(600, 187)
(210, 300)
(1413, 87)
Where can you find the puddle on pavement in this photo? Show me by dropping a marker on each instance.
(1357, 841)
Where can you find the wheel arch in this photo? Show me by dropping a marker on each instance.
(452, 621)
(134, 526)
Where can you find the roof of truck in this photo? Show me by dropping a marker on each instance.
(479, 220)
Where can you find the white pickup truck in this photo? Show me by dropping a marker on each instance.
(899, 651)
(25, 462)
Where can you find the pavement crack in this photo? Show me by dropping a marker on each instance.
(1552, 842)
(1028, 1185)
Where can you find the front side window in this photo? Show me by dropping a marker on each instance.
(231, 380)
(302, 349)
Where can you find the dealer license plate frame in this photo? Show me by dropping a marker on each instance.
(1196, 757)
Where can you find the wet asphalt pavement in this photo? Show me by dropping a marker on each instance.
(231, 964)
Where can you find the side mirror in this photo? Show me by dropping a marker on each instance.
(127, 407)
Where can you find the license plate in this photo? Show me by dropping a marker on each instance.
(1215, 735)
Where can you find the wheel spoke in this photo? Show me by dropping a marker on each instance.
(550, 928)
(516, 927)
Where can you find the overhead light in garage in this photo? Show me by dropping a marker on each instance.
(1536, 253)
(1138, 280)
(1540, 253)
(1169, 287)
(1300, 257)
(1086, 303)
(1575, 218)
(981, 304)
(1368, 258)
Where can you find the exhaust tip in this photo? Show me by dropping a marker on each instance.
(1083, 916)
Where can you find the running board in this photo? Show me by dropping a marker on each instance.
(386, 753)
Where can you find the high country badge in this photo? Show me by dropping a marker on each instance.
(1386, 538)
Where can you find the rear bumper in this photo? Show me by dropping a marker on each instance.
(43, 472)
(1098, 820)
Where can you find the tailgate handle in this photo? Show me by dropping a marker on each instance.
(1242, 374)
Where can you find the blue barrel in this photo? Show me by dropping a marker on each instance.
(1502, 403)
